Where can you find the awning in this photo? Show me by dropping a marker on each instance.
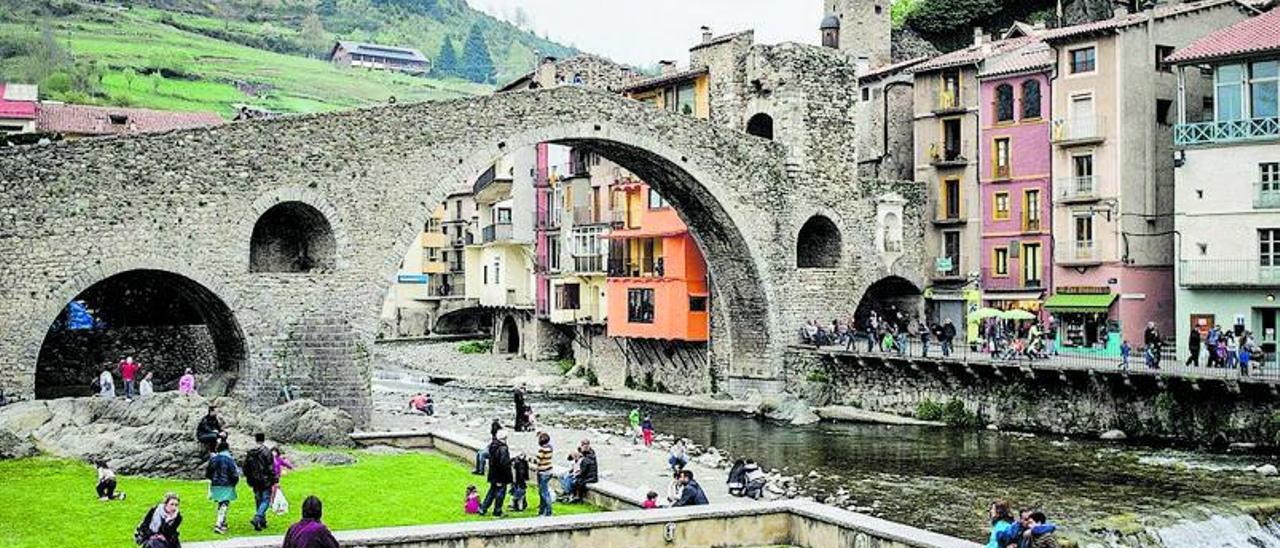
(1061, 302)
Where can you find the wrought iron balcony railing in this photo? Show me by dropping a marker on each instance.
(1227, 131)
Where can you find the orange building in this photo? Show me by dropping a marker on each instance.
(657, 285)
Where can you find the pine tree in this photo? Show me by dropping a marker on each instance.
(447, 61)
(477, 66)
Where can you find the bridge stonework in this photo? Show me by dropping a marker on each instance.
(73, 214)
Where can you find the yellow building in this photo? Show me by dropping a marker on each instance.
(685, 92)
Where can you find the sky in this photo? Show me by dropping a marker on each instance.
(642, 33)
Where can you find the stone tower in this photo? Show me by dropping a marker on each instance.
(860, 28)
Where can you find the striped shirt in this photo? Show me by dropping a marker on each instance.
(544, 459)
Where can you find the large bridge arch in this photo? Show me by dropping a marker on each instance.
(178, 195)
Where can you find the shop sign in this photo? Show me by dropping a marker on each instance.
(1083, 290)
(943, 264)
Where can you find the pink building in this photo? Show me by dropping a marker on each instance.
(1014, 171)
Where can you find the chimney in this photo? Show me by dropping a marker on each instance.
(668, 67)
(545, 74)
(862, 64)
(978, 36)
(706, 34)
(1039, 25)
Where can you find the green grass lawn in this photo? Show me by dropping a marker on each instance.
(45, 500)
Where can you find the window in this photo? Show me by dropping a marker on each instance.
(1269, 247)
(1163, 107)
(1000, 261)
(655, 200)
(866, 94)
(1031, 210)
(497, 270)
(1229, 96)
(640, 305)
(486, 274)
(1000, 206)
(951, 144)
(951, 249)
(1082, 166)
(1031, 264)
(1004, 103)
(1264, 95)
(553, 254)
(1083, 60)
(1084, 228)
(681, 99)
(1030, 99)
(951, 199)
(1206, 110)
(1161, 53)
(502, 215)
(1002, 162)
(567, 297)
(1269, 177)
(697, 303)
(949, 97)
(457, 205)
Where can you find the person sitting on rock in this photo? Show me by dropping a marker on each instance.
(679, 456)
(418, 403)
(159, 528)
(588, 473)
(210, 431)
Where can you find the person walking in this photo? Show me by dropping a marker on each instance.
(646, 430)
(691, 494)
(106, 385)
(223, 477)
(159, 527)
(187, 384)
(522, 412)
(145, 386)
(1193, 347)
(545, 455)
(499, 475)
(1151, 342)
(259, 473)
(107, 482)
(948, 337)
(925, 333)
(310, 532)
(129, 374)
(1233, 349)
(279, 504)
(633, 420)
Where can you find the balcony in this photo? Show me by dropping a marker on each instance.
(1032, 225)
(948, 101)
(588, 264)
(1087, 130)
(500, 232)
(489, 188)
(456, 266)
(1001, 173)
(1074, 190)
(1079, 253)
(1229, 131)
(948, 155)
(1009, 281)
(1211, 273)
(1266, 195)
(950, 216)
(586, 215)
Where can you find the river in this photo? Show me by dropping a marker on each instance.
(1101, 494)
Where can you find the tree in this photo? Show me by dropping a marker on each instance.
(328, 8)
(943, 16)
(477, 65)
(446, 63)
(522, 19)
(129, 76)
(313, 36)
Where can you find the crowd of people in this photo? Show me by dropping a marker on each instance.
(135, 383)
(1029, 529)
(894, 335)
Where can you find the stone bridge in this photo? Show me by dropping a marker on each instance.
(203, 218)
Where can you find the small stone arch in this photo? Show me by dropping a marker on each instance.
(819, 244)
(280, 220)
(891, 298)
(761, 125)
(508, 336)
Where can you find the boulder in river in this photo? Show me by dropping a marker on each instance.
(1113, 435)
(1268, 470)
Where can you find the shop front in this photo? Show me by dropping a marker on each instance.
(1084, 320)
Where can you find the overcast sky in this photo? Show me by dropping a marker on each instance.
(641, 33)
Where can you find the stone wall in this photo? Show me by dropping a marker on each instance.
(673, 367)
(73, 358)
(1074, 402)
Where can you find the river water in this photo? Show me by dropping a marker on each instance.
(1102, 494)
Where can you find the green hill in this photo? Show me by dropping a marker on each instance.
(179, 55)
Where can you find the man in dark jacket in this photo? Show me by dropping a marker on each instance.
(499, 474)
(692, 494)
(948, 337)
(588, 473)
(259, 473)
(1193, 347)
(209, 431)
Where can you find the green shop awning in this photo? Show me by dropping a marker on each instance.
(1066, 302)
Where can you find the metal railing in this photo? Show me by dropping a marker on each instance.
(1001, 173)
(942, 152)
(1010, 280)
(948, 214)
(1227, 131)
(1088, 128)
(589, 263)
(1078, 251)
(499, 232)
(643, 268)
(946, 100)
(1266, 195)
(1227, 273)
(1082, 187)
(1032, 225)
(485, 179)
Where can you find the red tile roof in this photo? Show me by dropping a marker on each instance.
(1137, 18)
(1257, 35)
(1033, 56)
(16, 109)
(973, 54)
(91, 120)
(886, 70)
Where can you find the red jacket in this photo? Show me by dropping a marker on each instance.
(129, 370)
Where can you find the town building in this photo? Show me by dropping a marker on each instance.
(583, 69)
(1227, 181)
(421, 280)
(885, 145)
(378, 57)
(1014, 177)
(1112, 139)
(78, 121)
(577, 259)
(18, 108)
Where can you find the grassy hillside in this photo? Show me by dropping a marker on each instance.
(132, 58)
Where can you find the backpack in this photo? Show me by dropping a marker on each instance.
(257, 467)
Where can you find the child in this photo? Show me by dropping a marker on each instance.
(107, 483)
(472, 506)
(279, 503)
(1124, 354)
(646, 428)
(650, 500)
(520, 465)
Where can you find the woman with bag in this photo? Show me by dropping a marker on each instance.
(279, 504)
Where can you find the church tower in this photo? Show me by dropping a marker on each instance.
(860, 28)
